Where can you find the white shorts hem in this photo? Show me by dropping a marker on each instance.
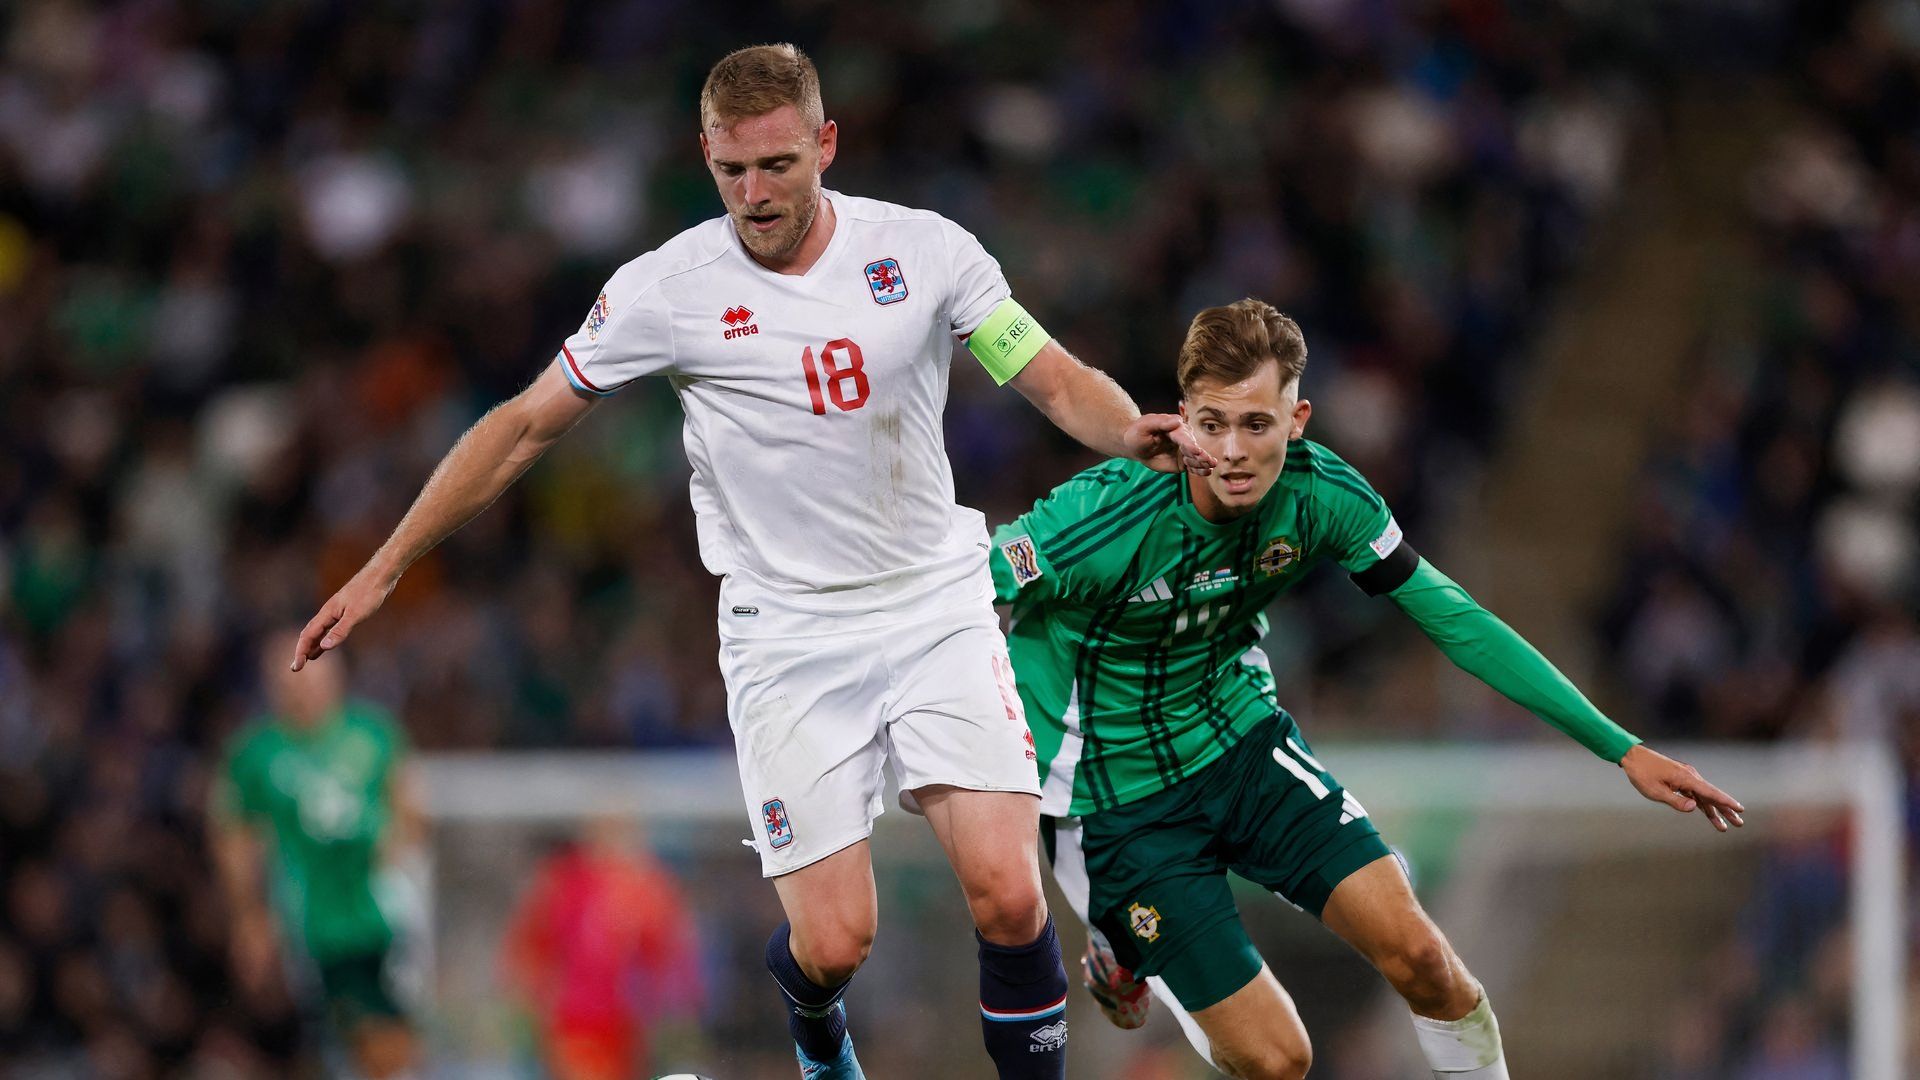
(973, 785)
(838, 846)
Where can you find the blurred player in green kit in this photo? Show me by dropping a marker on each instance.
(1165, 758)
(310, 816)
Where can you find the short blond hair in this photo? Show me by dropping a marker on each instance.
(1228, 344)
(757, 80)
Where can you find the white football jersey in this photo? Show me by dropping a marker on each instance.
(813, 402)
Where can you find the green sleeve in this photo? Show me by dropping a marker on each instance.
(1072, 543)
(1355, 527)
(1480, 644)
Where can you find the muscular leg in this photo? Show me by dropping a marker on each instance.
(1375, 911)
(992, 840)
(1255, 1033)
(832, 913)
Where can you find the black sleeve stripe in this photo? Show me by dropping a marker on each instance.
(1389, 573)
(1074, 532)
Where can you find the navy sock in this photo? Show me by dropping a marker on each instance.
(815, 1015)
(1023, 1007)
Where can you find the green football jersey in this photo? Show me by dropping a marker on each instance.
(1137, 622)
(324, 797)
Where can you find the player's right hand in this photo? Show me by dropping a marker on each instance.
(1121, 997)
(343, 611)
(1680, 785)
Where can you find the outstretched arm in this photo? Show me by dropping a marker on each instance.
(487, 459)
(1479, 643)
(1088, 405)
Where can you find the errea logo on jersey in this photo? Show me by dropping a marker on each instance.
(739, 322)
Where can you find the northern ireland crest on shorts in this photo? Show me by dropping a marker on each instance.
(1143, 921)
(773, 814)
(888, 283)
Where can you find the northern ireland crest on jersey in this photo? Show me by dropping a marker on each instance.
(773, 813)
(1024, 560)
(888, 283)
(1276, 556)
(597, 318)
(1143, 921)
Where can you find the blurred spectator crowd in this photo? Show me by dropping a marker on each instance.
(261, 263)
(1772, 578)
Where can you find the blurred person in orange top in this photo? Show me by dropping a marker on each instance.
(600, 947)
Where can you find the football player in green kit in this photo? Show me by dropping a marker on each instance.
(1164, 755)
(311, 808)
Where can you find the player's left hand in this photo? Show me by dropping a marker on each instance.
(1680, 786)
(1162, 442)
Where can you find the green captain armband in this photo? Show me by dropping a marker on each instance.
(1007, 340)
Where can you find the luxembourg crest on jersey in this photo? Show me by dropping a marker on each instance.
(888, 283)
(773, 813)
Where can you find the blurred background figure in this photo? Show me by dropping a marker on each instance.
(311, 816)
(600, 952)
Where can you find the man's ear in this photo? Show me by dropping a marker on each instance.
(1301, 412)
(829, 143)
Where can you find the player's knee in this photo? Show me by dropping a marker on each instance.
(833, 954)
(1011, 911)
(1287, 1057)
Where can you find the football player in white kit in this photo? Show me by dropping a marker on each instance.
(808, 336)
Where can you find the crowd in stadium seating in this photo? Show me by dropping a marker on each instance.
(1771, 586)
(261, 264)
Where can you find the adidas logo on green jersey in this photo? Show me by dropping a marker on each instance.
(1156, 591)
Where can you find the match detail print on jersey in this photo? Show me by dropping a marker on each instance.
(1007, 341)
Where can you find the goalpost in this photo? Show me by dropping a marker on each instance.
(493, 811)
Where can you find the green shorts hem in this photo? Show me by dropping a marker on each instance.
(1211, 964)
(1312, 894)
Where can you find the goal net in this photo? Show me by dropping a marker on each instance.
(1615, 938)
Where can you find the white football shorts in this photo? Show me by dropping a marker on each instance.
(818, 711)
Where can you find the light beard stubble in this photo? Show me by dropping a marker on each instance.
(782, 241)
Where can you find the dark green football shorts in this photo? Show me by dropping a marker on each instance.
(1156, 868)
(355, 990)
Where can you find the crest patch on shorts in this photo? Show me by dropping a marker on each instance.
(1144, 922)
(773, 813)
(1024, 559)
